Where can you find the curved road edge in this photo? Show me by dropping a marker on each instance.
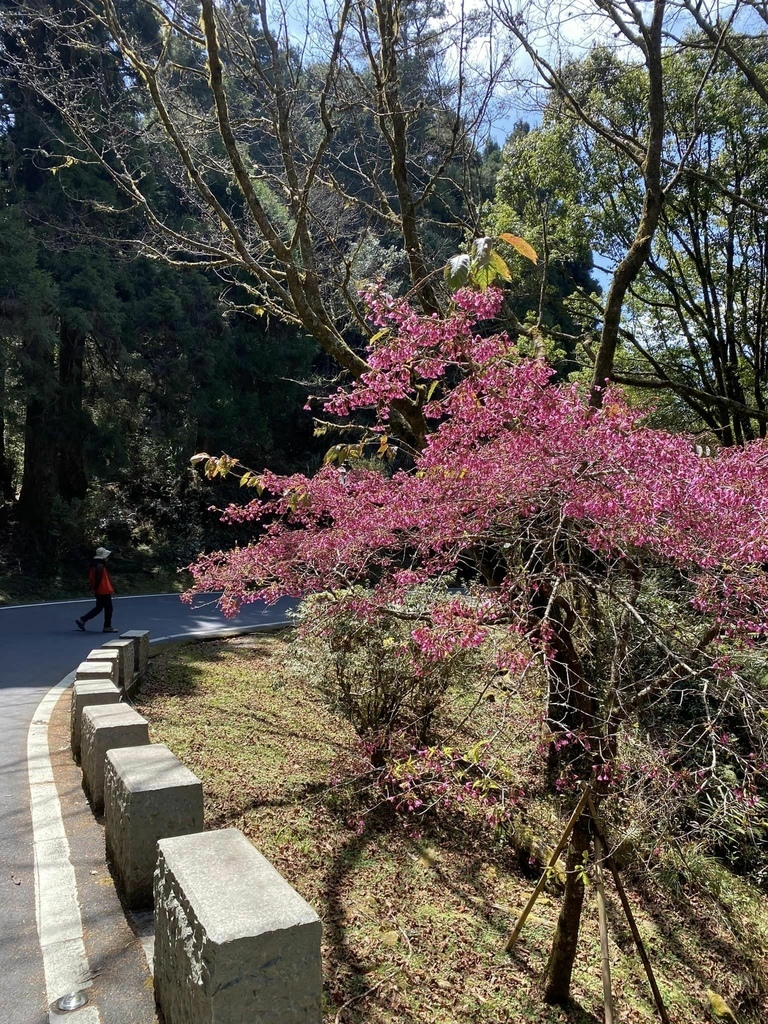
(57, 903)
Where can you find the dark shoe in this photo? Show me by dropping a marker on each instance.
(109, 629)
(80, 624)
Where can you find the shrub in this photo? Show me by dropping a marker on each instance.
(363, 657)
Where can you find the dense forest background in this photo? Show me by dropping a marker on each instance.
(116, 367)
(115, 370)
(186, 220)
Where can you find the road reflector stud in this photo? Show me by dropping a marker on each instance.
(71, 1001)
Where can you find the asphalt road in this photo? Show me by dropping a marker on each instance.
(39, 645)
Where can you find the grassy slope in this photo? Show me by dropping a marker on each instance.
(414, 929)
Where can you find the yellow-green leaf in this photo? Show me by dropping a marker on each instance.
(332, 455)
(500, 267)
(720, 1008)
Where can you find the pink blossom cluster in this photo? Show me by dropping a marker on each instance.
(512, 451)
(454, 627)
(412, 349)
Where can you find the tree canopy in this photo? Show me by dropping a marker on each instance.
(622, 560)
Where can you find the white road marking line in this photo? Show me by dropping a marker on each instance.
(59, 924)
(83, 600)
(57, 909)
(221, 634)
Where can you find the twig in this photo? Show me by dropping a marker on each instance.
(362, 995)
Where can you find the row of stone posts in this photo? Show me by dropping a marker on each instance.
(234, 943)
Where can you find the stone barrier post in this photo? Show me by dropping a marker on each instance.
(112, 658)
(102, 729)
(85, 694)
(234, 942)
(148, 795)
(124, 649)
(92, 671)
(140, 639)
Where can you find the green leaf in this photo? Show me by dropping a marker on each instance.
(485, 272)
(222, 466)
(250, 479)
(488, 265)
(340, 453)
(456, 272)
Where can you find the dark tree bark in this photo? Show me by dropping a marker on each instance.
(649, 39)
(39, 486)
(73, 482)
(559, 969)
(572, 713)
(6, 468)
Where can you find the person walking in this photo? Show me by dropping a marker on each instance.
(101, 585)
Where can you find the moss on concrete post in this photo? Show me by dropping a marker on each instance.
(233, 941)
(148, 795)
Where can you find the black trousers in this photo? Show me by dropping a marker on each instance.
(103, 604)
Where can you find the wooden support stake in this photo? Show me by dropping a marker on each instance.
(630, 917)
(607, 993)
(552, 861)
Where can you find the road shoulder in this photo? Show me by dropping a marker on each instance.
(122, 984)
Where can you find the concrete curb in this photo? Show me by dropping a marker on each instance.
(58, 908)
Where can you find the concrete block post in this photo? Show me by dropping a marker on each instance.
(124, 649)
(140, 639)
(112, 658)
(148, 795)
(102, 729)
(233, 941)
(91, 671)
(86, 694)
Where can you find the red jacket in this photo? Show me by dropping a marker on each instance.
(99, 580)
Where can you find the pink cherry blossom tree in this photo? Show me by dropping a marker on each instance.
(625, 562)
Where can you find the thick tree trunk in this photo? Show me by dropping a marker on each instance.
(39, 484)
(640, 249)
(571, 705)
(73, 482)
(559, 969)
(6, 467)
(571, 709)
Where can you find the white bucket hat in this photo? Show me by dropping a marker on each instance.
(102, 553)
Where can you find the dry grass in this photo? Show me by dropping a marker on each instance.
(414, 930)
